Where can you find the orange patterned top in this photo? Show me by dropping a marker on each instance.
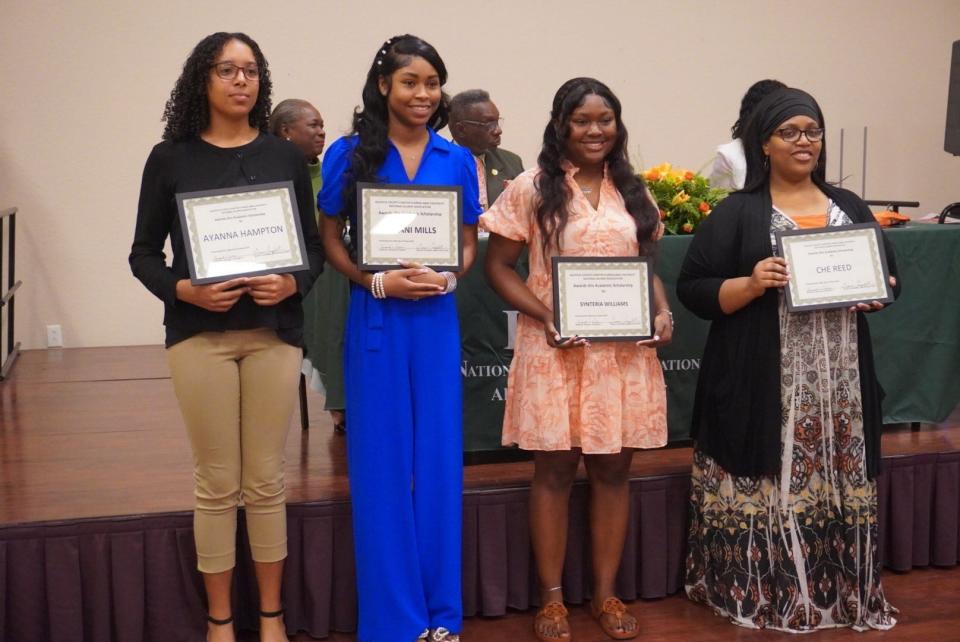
(602, 398)
(810, 221)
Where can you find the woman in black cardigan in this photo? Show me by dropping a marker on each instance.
(787, 418)
(234, 347)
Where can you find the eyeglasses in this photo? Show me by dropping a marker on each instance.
(229, 71)
(489, 125)
(792, 134)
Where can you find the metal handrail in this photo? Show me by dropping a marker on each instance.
(893, 206)
(7, 300)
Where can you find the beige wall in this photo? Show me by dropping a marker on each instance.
(84, 85)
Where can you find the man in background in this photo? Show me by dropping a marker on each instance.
(475, 124)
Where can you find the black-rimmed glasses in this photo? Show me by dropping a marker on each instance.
(229, 71)
(489, 125)
(792, 134)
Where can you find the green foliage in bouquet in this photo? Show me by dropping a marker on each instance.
(684, 197)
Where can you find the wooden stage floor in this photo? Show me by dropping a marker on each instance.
(96, 432)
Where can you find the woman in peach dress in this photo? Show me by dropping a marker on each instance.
(569, 397)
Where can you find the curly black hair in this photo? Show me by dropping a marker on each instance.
(370, 123)
(751, 99)
(187, 112)
(552, 211)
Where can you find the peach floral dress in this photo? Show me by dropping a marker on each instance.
(602, 398)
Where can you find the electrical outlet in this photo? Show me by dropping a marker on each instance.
(54, 336)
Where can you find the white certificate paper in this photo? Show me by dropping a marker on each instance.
(603, 298)
(420, 223)
(243, 231)
(834, 267)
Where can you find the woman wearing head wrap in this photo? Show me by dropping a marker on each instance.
(786, 418)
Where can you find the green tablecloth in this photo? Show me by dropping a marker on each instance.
(916, 340)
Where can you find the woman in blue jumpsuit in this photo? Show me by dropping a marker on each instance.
(402, 358)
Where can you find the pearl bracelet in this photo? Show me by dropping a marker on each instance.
(669, 314)
(376, 286)
(451, 282)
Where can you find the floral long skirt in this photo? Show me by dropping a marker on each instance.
(796, 551)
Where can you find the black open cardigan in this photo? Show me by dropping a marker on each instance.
(736, 411)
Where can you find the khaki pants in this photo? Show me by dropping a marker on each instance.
(237, 391)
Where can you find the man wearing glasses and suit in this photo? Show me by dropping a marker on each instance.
(475, 124)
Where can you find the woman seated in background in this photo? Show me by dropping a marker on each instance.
(325, 307)
(786, 418)
(730, 166)
(568, 397)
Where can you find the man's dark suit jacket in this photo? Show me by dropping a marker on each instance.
(501, 166)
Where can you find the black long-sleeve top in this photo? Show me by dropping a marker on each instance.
(736, 410)
(194, 165)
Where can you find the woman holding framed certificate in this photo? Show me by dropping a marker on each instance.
(405, 190)
(787, 420)
(569, 396)
(233, 335)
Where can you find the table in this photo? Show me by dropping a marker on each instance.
(916, 340)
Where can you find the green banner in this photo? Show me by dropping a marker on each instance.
(916, 340)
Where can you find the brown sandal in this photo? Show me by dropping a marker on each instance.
(613, 606)
(556, 612)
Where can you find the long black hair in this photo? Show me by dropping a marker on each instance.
(775, 109)
(370, 122)
(187, 112)
(552, 211)
(757, 92)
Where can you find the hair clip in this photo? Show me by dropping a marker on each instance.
(383, 51)
(379, 62)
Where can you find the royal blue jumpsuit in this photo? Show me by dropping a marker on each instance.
(404, 436)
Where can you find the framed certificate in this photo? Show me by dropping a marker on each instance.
(241, 231)
(603, 299)
(834, 267)
(418, 223)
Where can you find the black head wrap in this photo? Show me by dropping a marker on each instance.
(775, 109)
(781, 106)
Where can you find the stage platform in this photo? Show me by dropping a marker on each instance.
(96, 496)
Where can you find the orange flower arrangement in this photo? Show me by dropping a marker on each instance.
(684, 197)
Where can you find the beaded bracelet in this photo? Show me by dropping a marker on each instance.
(451, 282)
(376, 286)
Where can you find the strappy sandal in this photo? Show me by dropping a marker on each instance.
(613, 606)
(556, 612)
(216, 622)
(443, 635)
